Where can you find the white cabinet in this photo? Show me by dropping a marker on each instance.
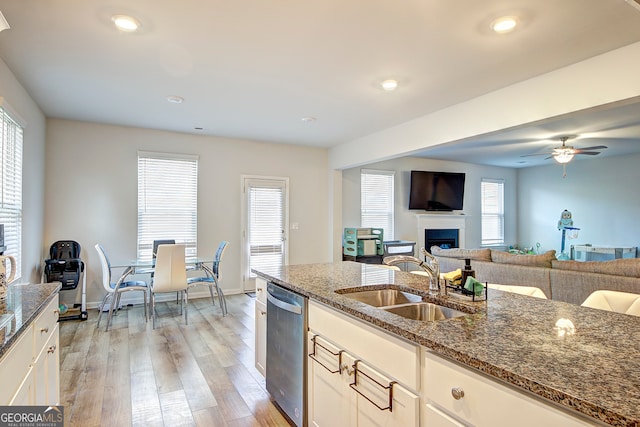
(328, 391)
(46, 369)
(30, 370)
(454, 395)
(345, 386)
(434, 417)
(261, 326)
(381, 401)
(15, 369)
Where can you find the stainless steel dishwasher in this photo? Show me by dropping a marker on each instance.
(286, 351)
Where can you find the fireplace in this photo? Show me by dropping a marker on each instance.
(438, 222)
(446, 238)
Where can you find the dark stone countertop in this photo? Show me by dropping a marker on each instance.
(511, 337)
(21, 306)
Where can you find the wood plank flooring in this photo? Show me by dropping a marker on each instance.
(201, 374)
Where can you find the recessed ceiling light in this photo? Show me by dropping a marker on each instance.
(175, 99)
(126, 23)
(308, 119)
(389, 85)
(504, 24)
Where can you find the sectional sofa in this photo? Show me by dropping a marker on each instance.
(568, 281)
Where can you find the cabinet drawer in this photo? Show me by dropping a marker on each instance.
(15, 365)
(486, 402)
(44, 324)
(261, 290)
(399, 358)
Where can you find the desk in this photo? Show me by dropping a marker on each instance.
(139, 266)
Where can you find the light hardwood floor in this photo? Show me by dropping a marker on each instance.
(199, 374)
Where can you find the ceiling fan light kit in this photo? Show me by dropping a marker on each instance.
(563, 157)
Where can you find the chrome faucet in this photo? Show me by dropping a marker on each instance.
(430, 266)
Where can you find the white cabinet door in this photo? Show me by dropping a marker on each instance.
(329, 395)
(15, 365)
(261, 290)
(26, 392)
(47, 372)
(382, 402)
(433, 417)
(261, 337)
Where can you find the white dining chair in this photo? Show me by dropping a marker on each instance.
(114, 291)
(170, 275)
(531, 291)
(620, 302)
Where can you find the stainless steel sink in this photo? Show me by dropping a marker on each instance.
(425, 311)
(383, 297)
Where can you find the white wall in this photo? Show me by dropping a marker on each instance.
(405, 219)
(601, 193)
(92, 192)
(33, 166)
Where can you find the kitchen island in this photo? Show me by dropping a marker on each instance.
(511, 338)
(29, 355)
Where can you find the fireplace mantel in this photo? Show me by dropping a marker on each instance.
(438, 222)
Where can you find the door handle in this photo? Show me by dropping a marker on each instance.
(296, 309)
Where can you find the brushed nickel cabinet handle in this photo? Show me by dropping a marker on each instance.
(44, 330)
(52, 349)
(457, 393)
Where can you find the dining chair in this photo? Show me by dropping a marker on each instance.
(620, 302)
(531, 291)
(212, 278)
(115, 290)
(170, 275)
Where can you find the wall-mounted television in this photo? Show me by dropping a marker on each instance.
(436, 191)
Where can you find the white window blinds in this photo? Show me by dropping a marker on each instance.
(167, 201)
(492, 196)
(11, 186)
(266, 209)
(376, 200)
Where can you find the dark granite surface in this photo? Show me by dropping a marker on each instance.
(22, 306)
(595, 371)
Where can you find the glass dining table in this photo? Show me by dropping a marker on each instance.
(146, 266)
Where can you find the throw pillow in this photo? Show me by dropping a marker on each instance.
(459, 253)
(542, 260)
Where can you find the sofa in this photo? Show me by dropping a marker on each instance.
(568, 281)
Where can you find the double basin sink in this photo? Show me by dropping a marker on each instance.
(405, 304)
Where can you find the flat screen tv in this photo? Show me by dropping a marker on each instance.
(436, 191)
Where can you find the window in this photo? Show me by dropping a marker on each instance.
(376, 200)
(492, 195)
(11, 186)
(167, 201)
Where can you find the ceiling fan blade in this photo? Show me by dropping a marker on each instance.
(536, 154)
(595, 147)
(590, 153)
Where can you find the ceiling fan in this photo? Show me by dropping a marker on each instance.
(564, 154)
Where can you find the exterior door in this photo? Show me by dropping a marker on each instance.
(265, 234)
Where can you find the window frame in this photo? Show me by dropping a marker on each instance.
(370, 217)
(11, 169)
(495, 217)
(167, 188)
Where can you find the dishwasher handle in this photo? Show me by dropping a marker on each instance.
(283, 304)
